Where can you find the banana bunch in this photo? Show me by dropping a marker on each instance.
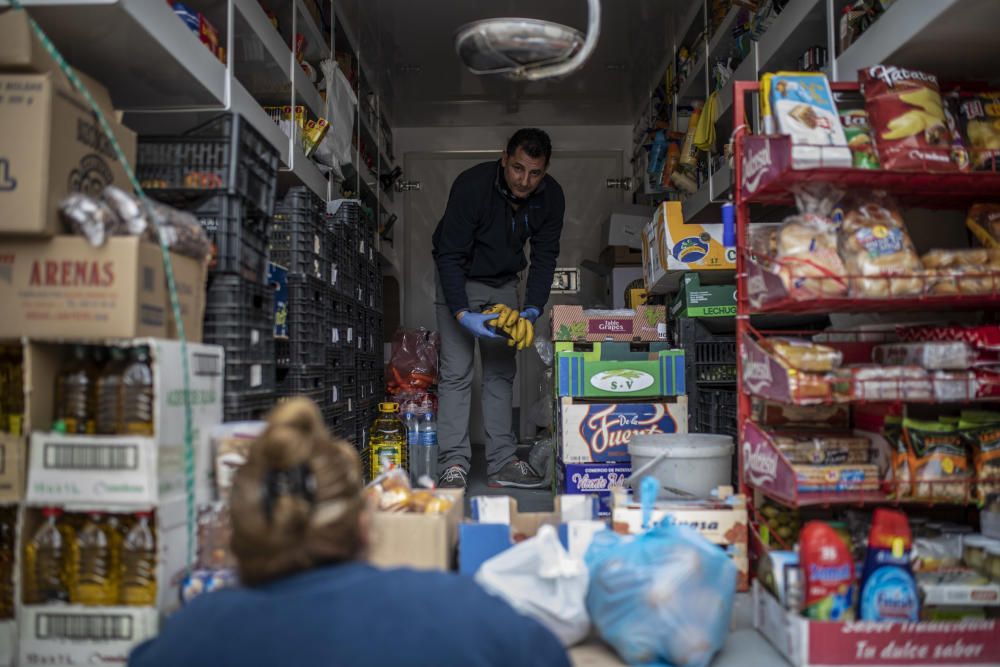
(520, 332)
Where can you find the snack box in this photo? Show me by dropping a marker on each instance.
(65, 288)
(697, 300)
(574, 323)
(800, 104)
(957, 587)
(669, 245)
(600, 432)
(419, 541)
(586, 375)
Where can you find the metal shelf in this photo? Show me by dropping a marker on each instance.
(708, 194)
(801, 25)
(139, 49)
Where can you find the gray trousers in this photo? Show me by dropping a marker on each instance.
(457, 366)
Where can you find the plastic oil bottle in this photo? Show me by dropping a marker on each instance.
(75, 392)
(387, 442)
(138, 564)
(45, 573)
(14, 394)
(137, 394)
(90, 569)
(109, 393)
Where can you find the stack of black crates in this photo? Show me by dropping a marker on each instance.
(710, 370)
(333, 349)
(225, 173)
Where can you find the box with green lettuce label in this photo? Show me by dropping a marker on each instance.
(697, 300)
(589, 375)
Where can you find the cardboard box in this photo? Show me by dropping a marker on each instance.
(13, 454)
(75, 634)
(600, 432)
(697, 300)
(806, 643)
(124, 471)
(625, 280)
(624, 226)
(723, 522)
(59, 147)
(585, 375)
(65, 288)
(669, 245)
(601, 479)
(613, 350)
(573, 323)
(621, 256)
(8, 643)
(957, 587)
(421, 541)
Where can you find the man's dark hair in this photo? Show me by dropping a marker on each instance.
(531, 140)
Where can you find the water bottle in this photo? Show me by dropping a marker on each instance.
(657, 154)
(412, 424)
(426, 448)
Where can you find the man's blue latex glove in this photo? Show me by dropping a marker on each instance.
(475, 323)
(531, 314)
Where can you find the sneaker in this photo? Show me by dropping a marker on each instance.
(454, 477)
(517, 474)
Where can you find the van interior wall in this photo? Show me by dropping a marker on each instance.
(583, 158)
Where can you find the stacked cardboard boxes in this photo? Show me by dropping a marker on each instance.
(615, 377)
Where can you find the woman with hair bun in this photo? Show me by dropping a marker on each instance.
(300, 532)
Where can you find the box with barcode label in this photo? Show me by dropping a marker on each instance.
(67, 633)
(123, 470)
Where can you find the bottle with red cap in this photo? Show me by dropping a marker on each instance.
(45, 560)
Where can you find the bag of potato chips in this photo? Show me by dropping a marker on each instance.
(913, 129)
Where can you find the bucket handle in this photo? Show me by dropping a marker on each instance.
(649, 464)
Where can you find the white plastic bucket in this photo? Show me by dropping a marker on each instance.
(695, 463)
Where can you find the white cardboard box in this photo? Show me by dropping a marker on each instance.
(600, 432)
(8, 642)
(125, 471)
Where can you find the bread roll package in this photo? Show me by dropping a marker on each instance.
(806, 247)
(804, 355)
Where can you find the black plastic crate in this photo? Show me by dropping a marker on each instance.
(710, 359)
(342, 391)
(340, 423)
(240, 407)
(342, 234)
(238, 232)
(309, 306)
(303, 381)
(715, 412)
(224, 154)
(239, 316)
(344, 322)
(299, 241)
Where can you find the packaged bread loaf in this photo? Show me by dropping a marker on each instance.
(888, 383)
(932, 355)
(806, 247)
(953, 386)
(804, 355)
(876, 248)
(966, 272)
(824, 449)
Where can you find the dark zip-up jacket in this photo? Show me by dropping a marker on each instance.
(481, 236)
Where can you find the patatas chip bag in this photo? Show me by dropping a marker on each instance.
(913, 129)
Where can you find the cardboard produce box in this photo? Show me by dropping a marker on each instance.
(697, 300)
(70, 634)
(58, 146)
(600, 479)
(600, 432)
(669, 245)
(585, 375)
(573, 323)
(624, 226)
(420, 541)
(122, 470)
(65, 288)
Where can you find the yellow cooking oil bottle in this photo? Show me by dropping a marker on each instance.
(137, 393)
(386, 442)
(91, 569)
(138, 563)
(46, 576)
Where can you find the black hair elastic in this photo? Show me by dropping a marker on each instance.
(295, 481)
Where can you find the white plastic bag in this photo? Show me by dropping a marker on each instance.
(335, 150)
(539, 579)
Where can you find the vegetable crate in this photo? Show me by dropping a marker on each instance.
(585, 375)
(573, 323)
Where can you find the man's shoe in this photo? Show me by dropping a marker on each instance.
(454, 477)
(518, 475)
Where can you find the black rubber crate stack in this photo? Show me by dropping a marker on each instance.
(710, 367)
(225, 173)
(299, 243)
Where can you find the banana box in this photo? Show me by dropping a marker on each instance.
(669, 245)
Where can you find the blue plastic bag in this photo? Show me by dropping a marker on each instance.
(661, 598)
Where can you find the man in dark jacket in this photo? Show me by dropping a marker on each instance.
(493, 209)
